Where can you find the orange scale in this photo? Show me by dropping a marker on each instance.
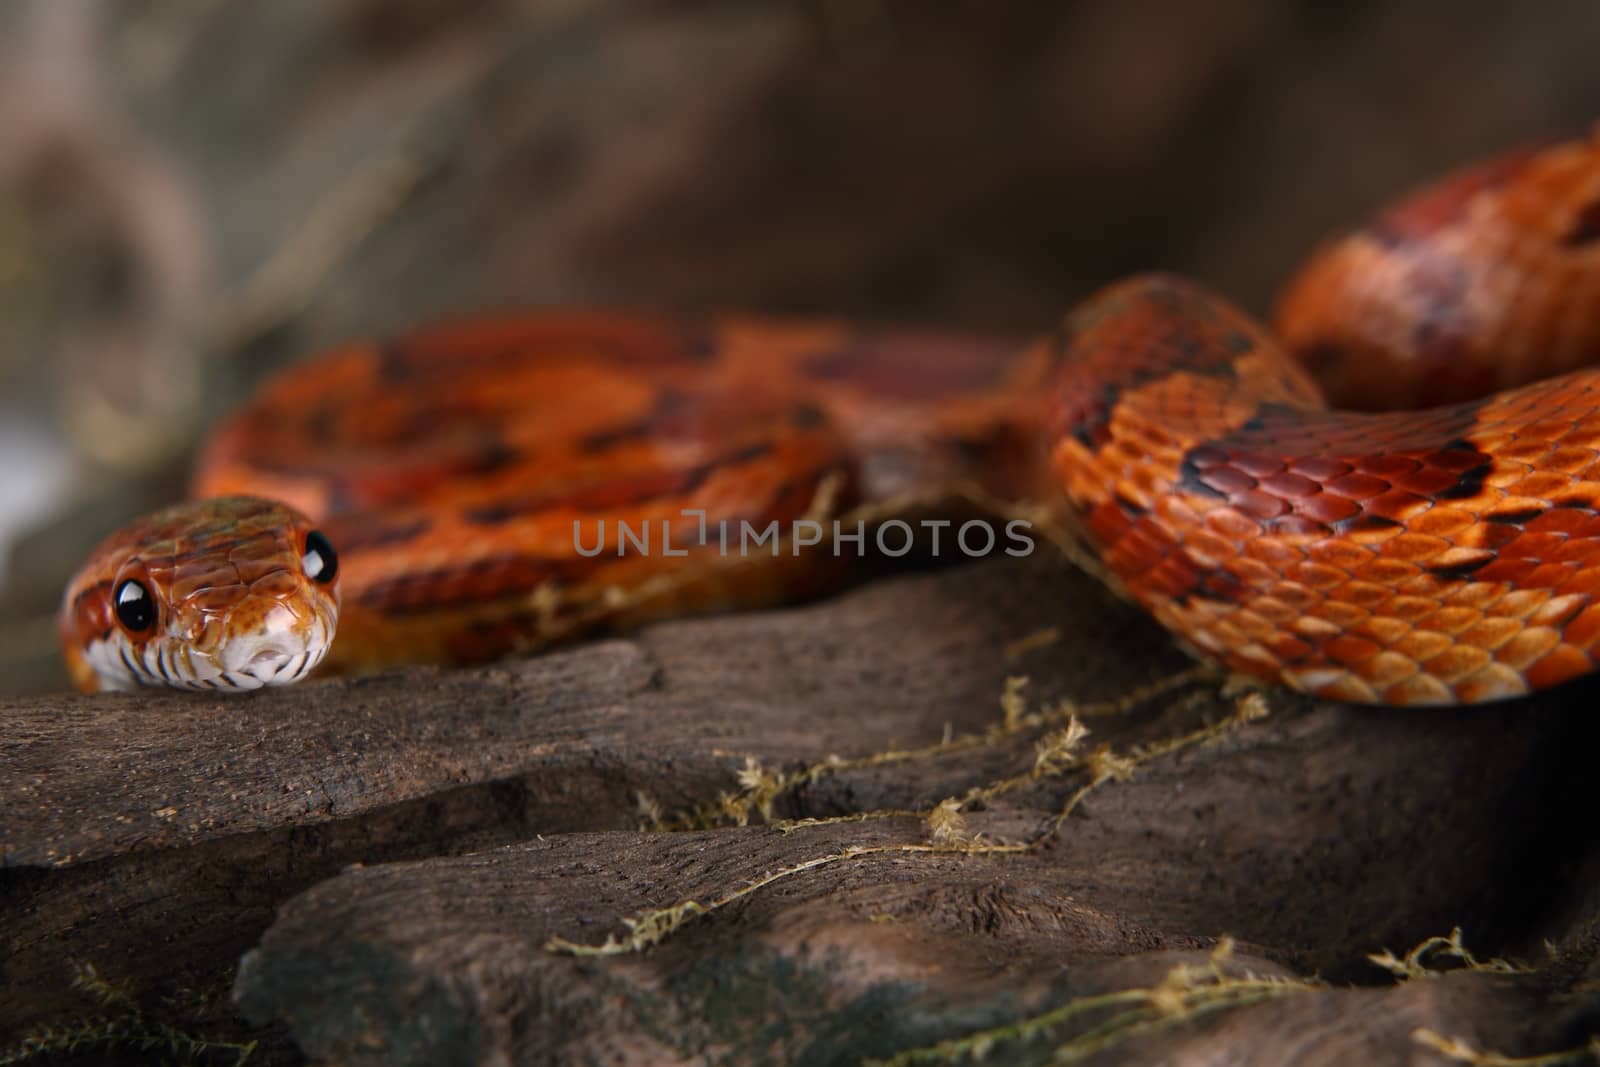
(1516, 505)
(1169, 578)
(1336, 552)
(1462, 557)
(1439, 521)
(1398, 505)
(1492, 441)
(1569, 458)
(1558, 520)
(1257, 465)
(1254, 502)
(1427, 482)
(1174, 509)
(1506, 474)
(1348, 649)
(1208, 548)
(1584, 629)
(1549, 575)
(1556, 611)
(1418, 689)
(1287, 648)
(1373, 537)
(1580, 550)
(1385, 630)
(1298, 527)
(1479, 596)
(1291, 486)
(1390, 572)
(1493, 682)
(1415, 547)
(1228, 523)
(1317, 575)
(1386, 669)
(1384, 466)
(1455, 663)
(1342, 613)
(1327, 508)
(1536, 545)
(1491, 632)
(1252, 572)
(1590, 527)
(1422, 645)
(1543, 486)
(1549, 429)
(1522, 450)
(1561, 664)
(1274, 609)
(1528, 646)
(1490, 535)
(1357, 486)
(1449, 620)
(1273, 550)
(1586, 434)
(1253, 625)
(1138, 549)
(1319, 469)
(1316, 629)
(1228, 636)
(1585, 582)
(1522, 603)
(1411, 608)
(1362, 594)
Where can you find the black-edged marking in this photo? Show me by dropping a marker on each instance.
(1363, 522)
(1129, 508)
(493, 456)
(1469, 483)
(1585, 228)
(1191, 480)
(668, 403)
(652, 487)
(1459, 571)
(807, 417)
(1092, 429)
(1519, 517)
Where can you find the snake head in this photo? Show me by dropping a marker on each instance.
(231, 593)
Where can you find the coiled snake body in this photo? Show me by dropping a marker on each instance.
(465, 473)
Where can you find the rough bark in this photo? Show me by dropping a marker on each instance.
(1313, 836)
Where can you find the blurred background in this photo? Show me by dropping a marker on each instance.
(195, 191)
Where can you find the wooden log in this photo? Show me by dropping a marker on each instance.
(1314, 836)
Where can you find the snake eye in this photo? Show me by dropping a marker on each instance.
(136, 608)
(320, 562)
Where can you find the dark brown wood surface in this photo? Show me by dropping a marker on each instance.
(395, 854)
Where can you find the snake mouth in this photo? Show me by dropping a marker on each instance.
(275, 666)
(278, 660)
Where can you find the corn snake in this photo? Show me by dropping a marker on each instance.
(1394, 557)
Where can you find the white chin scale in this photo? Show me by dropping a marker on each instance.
(248, 661)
